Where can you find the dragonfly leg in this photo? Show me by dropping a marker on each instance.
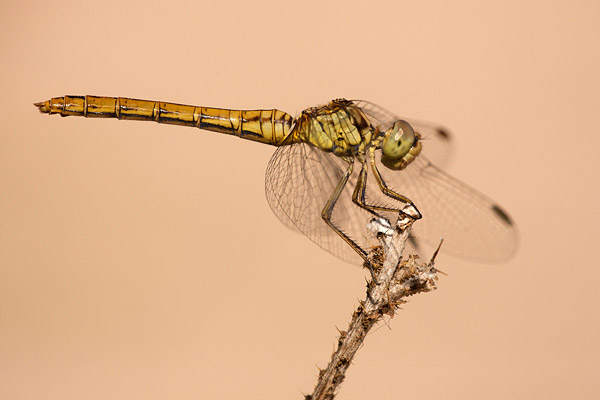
(360, 193)
(359, 198)
(327, 211)
(410, 209)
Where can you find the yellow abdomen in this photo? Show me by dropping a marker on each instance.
(266, 126)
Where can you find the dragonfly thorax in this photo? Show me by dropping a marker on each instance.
(339, 127)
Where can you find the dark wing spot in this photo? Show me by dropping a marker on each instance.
(500, 213)
(443, 133)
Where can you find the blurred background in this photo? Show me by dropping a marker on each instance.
(119, 277)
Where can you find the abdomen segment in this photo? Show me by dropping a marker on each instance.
(266, 126)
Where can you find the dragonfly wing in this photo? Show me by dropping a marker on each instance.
(472, 225)
(299, 181)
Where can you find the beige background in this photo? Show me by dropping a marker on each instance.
(117, 275)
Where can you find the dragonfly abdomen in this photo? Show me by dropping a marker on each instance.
(266, 126)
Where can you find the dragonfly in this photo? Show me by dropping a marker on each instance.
(338, 165)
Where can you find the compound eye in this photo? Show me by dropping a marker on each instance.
(398, 140)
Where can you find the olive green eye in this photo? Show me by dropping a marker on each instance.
(400, 146)
(398, 140)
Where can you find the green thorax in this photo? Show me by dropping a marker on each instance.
(339, 127)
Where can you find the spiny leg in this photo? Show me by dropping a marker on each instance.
(327, 211)
(359, 198)
(411, 209)
(360, 193)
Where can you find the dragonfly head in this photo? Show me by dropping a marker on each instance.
(400, 145)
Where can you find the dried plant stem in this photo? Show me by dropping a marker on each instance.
(394, 279)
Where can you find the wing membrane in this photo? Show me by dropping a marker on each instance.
(472, 225)
(301, 178)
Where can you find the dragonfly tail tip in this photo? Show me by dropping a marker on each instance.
(44, 107)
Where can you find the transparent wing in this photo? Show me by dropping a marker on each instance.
(301, 178)
(473, 226)
(436, 140)
(299, 181)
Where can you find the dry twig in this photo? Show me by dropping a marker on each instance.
(394, 279)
